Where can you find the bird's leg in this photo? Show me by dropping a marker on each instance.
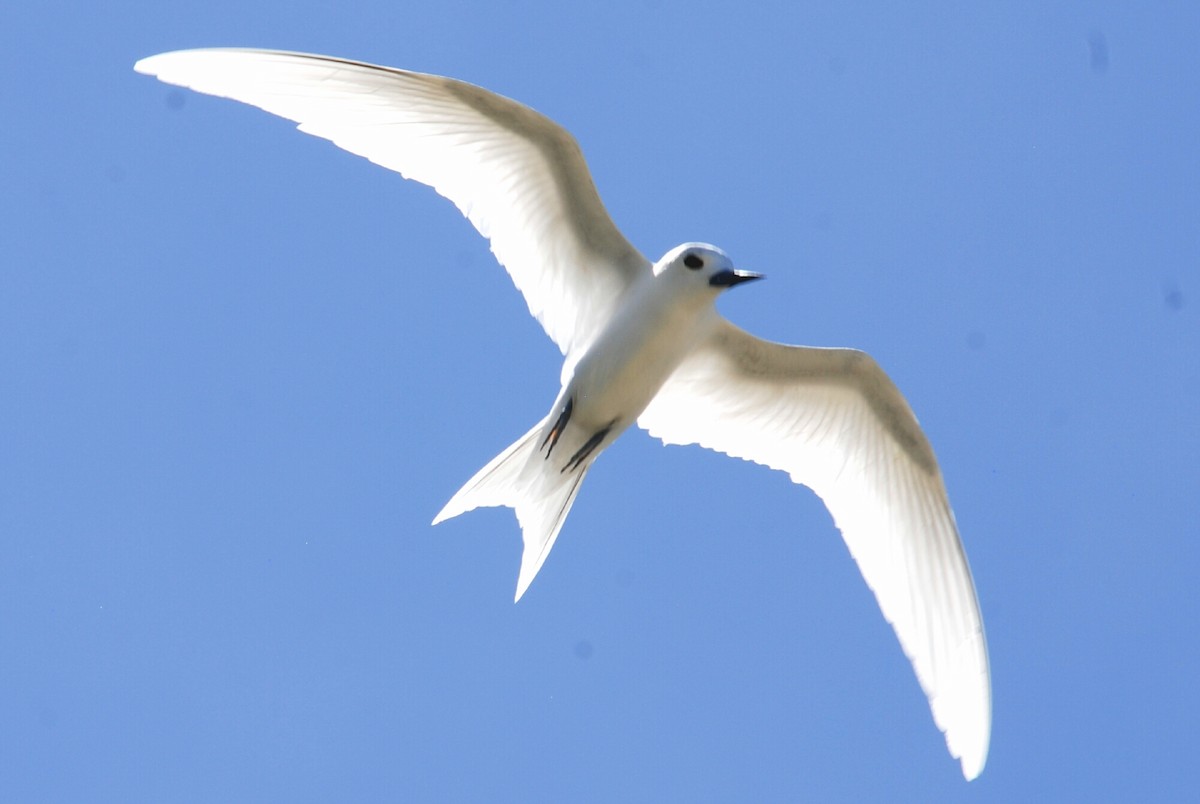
(587, 449)
(557, 430)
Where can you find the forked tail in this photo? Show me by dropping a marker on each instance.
(540, 494)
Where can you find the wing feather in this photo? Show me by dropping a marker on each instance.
(519, 177)
(834, 422)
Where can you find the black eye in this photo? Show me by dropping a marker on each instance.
(693, 262)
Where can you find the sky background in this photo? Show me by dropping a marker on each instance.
(241, 370)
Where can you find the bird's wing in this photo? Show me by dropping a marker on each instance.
(833, 421)
(518, 176)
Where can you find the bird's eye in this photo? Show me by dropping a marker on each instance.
(693, 262)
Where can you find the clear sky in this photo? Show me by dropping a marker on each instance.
(241, 370)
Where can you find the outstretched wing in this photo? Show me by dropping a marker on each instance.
(833, 421)
(519, 177)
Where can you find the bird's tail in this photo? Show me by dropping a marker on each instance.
(539, 493)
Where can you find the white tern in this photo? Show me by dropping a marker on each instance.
(643, 343)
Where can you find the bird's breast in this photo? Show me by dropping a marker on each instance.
(631, 359)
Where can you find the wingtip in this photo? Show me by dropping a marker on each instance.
(158, 63)
(144, 66)
(972, 767)
(971, 756)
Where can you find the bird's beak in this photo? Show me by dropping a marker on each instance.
(727, 279)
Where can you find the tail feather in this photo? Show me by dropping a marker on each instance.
(540, 494)
(495, 484)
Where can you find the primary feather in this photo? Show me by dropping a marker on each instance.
(518, 176)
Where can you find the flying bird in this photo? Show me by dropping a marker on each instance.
(642, 342)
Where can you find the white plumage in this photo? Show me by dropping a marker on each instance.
(643, 342)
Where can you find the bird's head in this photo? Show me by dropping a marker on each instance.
(701, 267)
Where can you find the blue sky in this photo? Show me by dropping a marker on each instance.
(241, 370)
